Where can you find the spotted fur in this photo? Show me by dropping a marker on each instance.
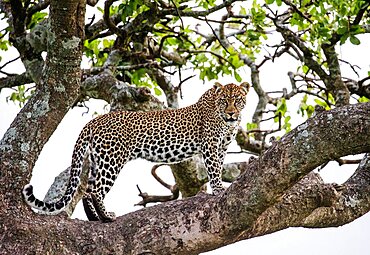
(110, 140)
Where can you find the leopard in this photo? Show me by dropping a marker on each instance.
(109, 141)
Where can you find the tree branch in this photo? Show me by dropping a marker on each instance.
(353, 202)
(14, 81)
(54, 95)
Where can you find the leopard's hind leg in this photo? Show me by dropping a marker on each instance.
(98, 203)
(87, 201)
(100, 182)
(89, 208)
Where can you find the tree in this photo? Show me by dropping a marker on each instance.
(141, 43)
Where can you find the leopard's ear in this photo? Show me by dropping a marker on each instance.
(245, 85)
(218, 87)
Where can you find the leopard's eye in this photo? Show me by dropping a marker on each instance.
(239, 101)
(223, 101)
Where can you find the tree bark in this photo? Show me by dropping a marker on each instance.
(55, 94)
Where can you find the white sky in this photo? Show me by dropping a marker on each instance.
(56, 155)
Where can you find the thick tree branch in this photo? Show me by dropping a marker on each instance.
(55, 93)
(120, 95)
(31, 59)
(295, 205)
(303, 149)
(353, 202)
(336, 84)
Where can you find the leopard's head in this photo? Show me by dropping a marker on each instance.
(230, 100)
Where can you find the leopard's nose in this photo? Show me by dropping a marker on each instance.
(231, 114)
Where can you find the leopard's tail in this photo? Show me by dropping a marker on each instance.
(81, 151)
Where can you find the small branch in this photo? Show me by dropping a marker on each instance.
(42, 5)
(154, 198)
(348, 161)
(361, 82)
(110, 24)
(14, 81)
(221, 34)
(182, 81)
(9, 62)
(210, 52)
(147, 199)
(195, 14)
(295, 8)
(360, 14)
(308, 54)
(155, 175)
(96, 70)
(178, 14)
(225, 21)
(353, 67)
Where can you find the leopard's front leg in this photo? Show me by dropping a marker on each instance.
(213, 161)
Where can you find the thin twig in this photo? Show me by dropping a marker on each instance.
(146, 198)
(348, 161)
(155, 175)
(107, 19)
(178, 14)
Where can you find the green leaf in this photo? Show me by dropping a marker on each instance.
(343, 39)
(237, 76)
(321, 103)
(270, 1)
(282, 107)
(201, 58)
(305, 69)
(354, 40)
(108, 43)
(21, 95)
(157, 91)
(36, 18)
(331, 99)
(287, 126)
(172, 41)
(363, 99)
(243, 11)
(342, 30)
(287, 119)
(310, 110)
(251, 126)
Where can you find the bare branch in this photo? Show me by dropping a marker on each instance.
(153, 198)
(147, 199)
(41, 5)
(111, 26)
(347, 161)
(295, 9)
(307, 52)
(15, 80)
(187, 13)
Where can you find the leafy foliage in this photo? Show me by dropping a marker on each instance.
(20, 95)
